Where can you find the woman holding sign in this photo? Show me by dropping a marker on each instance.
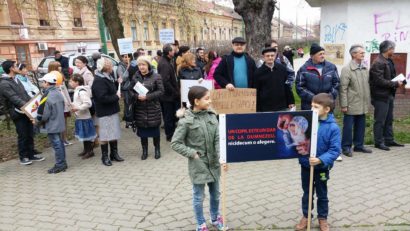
(107, 108)
(147, 112)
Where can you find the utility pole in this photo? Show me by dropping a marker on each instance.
(101, 27)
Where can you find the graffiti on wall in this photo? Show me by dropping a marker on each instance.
(392, 25)
(335, 33)
(372, 46)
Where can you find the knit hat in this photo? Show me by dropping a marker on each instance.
(144, 58)
(102, 62)
(315, 48)
(269, 49)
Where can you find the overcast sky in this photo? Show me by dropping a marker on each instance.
(290, 7)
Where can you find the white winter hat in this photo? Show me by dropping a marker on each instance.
(144, 58)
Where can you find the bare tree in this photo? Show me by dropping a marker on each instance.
(113, 22)
(257, 16)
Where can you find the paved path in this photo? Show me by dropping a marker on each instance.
(367, 192)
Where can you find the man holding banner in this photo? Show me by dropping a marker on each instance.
(236, 70)
(273, 94)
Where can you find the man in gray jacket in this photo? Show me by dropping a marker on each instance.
(354, 101)
(14, 97)
(50, 116)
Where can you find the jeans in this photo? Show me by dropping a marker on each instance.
(198, 199)
(357, 123)
(25, 137)
(169, 110)
(320, 179)
(383, 121)
(59, 150)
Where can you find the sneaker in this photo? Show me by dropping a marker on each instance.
(66, 143)
(202, 227)
(56, 169)
(25, 161)
(219, 223)
(37, 158)
(339, 158)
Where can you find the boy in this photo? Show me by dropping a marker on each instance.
(328, 149)
(50, 116)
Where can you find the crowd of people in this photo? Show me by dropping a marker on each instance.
(149, 87)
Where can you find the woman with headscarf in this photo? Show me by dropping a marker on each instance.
(147, 106)
(106, 98)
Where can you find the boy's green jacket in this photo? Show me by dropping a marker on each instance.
(197, 132)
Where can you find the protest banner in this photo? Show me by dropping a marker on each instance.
(187, 84)
(166, 36)
(125, 46)
(240, 100)
(31, 107)
(266, 136)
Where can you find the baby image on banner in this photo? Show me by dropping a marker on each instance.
(267, 136)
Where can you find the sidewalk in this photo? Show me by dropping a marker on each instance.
(367, 192)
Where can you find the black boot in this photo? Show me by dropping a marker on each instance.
(89, 146)
(157, 149)
(144, 144)
(114, 151)
(104, 151)
(84, 149)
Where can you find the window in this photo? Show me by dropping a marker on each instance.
(14, 13)
(146, 31)
(43, 13)
(77, 15)
(156, 31)
(134, 30)
(107, 34)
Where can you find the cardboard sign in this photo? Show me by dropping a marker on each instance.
(125, 46)
(240, 100)
(187, 84)
(166, 36)
(31, 107)
(267, 136)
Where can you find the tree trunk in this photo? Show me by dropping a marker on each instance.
(257, 16)
(113, 22)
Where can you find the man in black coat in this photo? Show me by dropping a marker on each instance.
(14, 97)
(382, 93)
(273, 92)
(64, 62)
(200, 59)
(236, 69)
(170, 100)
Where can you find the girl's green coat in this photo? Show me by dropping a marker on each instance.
(197, 132)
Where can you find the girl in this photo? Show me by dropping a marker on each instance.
(210, 67)
(107, 109)
(81, 62)
(84, 126)
(56, 66)
(197, 138)
(147, 111)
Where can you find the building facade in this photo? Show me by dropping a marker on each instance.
(32, 29)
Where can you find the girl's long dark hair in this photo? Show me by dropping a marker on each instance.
(196, 92)
(84, 60)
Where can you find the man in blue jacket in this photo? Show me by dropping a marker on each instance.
(237, 69)
(316, 76)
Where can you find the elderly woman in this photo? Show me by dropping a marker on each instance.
(107, 107)
(147, 107)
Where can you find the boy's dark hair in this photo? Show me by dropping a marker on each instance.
(57, 52)
(78, 78)
(7, 65)
(324, 99)
(196, 92)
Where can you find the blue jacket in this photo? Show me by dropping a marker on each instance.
(328, 144)
(310, 83)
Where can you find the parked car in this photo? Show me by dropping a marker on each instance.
(43, 66)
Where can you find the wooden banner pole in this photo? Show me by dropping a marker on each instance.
(312, 170)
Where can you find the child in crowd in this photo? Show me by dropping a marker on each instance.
(197, 138)
(50, 116)
(328, 149)
(84, 126)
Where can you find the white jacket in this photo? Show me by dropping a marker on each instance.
(82, 101)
